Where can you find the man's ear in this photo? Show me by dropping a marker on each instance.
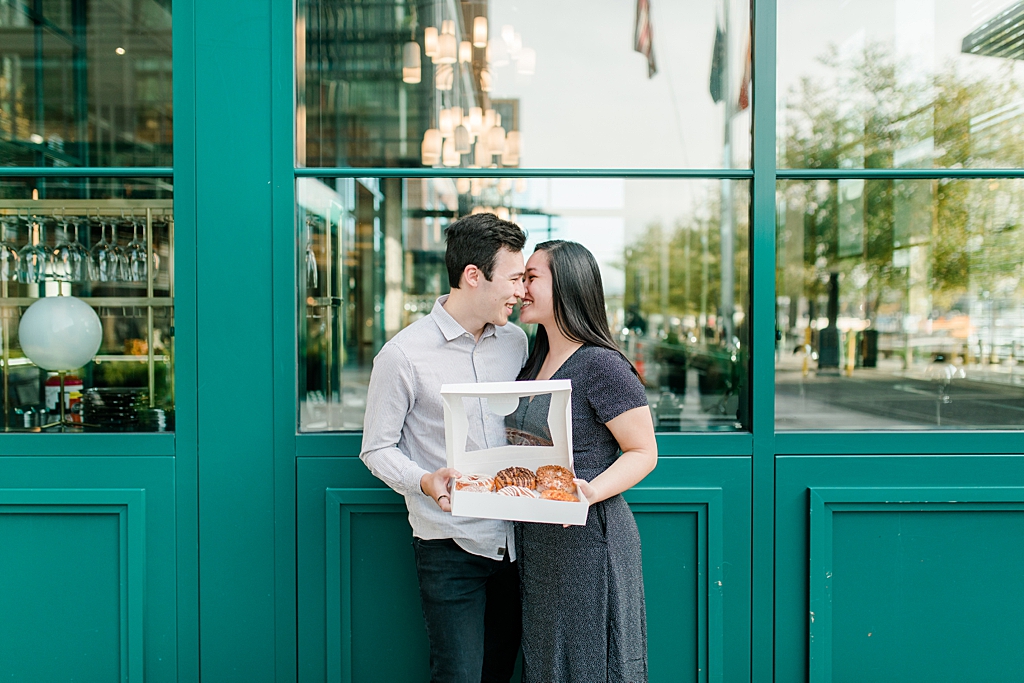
(471, 275)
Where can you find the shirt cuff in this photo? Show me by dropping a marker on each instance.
(412, 480)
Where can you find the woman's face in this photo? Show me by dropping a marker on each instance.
(538, 306)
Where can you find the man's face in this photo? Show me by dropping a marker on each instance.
(498, 296)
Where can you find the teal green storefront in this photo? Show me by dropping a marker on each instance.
(238, 548)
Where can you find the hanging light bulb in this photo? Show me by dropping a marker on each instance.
(477, 187)
(449, 157)
(496, 138)
(461, 140)
(447, 49)
(430, 41)
(502, 213)
(497, 119)
(448, 26)
(482, 153)
(521, 185)
(465, 52)
(504, 185)
(489, 118)
(497, 53)
(508, 34)
(444, 77)
(430, 149)
(444, 123)
(486, 81)
(476, 119)
(462, 185)
(527, 62)
(513, 145)
(480, 32)
(456, 113)
(411, 62)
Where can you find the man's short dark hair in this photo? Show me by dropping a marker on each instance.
(476, 240)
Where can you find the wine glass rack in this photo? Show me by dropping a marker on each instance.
(150, 209)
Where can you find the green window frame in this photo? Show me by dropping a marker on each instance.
(761, 443)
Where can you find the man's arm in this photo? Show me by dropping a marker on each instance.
(389, 400)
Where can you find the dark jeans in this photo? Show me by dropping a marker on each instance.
(472, 609)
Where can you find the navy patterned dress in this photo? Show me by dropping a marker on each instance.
(583, 594)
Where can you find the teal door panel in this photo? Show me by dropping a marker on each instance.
(358, 603)
(885, 568)
(87, 569)
(355, 566)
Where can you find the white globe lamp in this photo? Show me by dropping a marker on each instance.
(59, 334)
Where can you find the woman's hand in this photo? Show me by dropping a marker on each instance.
(586, 489)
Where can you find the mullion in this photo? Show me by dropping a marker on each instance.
(714, 174)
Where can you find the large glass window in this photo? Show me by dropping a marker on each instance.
(900, 304)
(900, 84)
(527, 83)
(85, 83)
(90, 280)
(673, 255)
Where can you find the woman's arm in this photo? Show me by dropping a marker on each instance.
(634, 430)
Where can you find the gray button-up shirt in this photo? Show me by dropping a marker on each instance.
(403, 431)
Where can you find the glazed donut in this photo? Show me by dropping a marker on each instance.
(518, 492)
(555, 494)
(517, 437)
(555, 477)
(515, 476)
(474, 482)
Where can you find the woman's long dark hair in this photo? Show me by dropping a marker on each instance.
(577, 295)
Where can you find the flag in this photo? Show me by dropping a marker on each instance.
(717, 62)
(643, 36)
(744, 101)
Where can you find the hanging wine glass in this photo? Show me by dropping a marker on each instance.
(120, 258)
(103, 264)
(61, 256)
(33, 256)
(80, 255)
(135, 252)
(8, 253)
(312, 274)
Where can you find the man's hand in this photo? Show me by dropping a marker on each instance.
(435, 485)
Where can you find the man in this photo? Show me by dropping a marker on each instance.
(469, 586)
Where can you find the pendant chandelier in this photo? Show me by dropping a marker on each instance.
(467, 132)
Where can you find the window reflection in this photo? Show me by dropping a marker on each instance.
(85, 83)
(900, 84)
(673, 256)
(901, 304)
(528, 83)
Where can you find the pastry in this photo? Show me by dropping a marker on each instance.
(518, 492)
(555, 477)
(517, 437)
(555, 494)
(515, 476)
(474, 482)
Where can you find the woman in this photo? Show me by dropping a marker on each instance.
(582, 586)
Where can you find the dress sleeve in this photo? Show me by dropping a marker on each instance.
(610, 386)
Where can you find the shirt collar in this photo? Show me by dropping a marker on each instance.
(449, 326)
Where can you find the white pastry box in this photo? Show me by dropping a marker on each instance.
(502, 398)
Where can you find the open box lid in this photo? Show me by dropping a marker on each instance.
(502, 398)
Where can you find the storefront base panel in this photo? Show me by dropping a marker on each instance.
(899, 568)
(358, 603)
(87, 569)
